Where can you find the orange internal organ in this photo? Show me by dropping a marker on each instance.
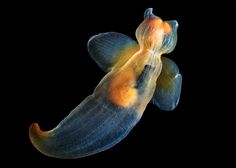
(155, 22)
(158, 24)
(166, 27)
(121, 91)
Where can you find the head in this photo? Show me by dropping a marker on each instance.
(155, 34)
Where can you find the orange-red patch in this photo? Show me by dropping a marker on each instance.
(166, 27)
(121, 91)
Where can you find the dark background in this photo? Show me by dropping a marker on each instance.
(54, 73)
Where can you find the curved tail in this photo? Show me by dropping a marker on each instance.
(39, 139)
(93, 126)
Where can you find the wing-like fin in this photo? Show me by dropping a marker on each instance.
(111, 49)
(168, 88)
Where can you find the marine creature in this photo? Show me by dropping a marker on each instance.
(136, 75)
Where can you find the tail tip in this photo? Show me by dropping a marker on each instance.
(35, 131)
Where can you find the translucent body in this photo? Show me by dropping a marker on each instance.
(134, 78)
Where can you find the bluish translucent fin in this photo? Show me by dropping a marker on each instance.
(168, 88)
(108, 49)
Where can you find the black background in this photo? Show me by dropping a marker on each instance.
(53, 73)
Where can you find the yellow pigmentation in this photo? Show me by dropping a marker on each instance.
(125, 54)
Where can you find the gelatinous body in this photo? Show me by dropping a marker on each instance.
(136, 75)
